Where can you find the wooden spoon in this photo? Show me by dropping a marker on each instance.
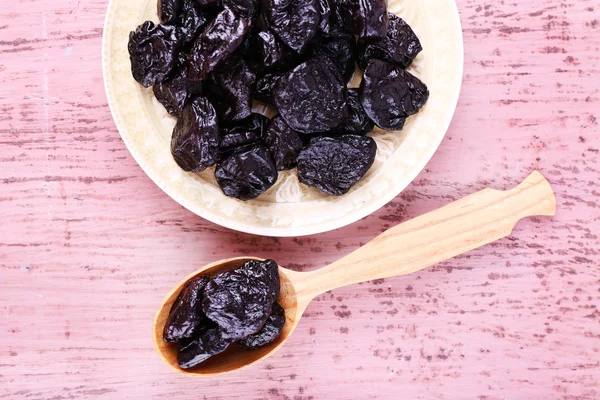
(463, 225)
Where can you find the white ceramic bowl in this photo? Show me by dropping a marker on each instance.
(289, 208)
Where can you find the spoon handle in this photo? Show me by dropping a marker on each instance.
(463, 225)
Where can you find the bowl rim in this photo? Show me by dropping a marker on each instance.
(348, 219)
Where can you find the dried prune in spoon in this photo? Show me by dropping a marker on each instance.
(239, 301)
(243, 133)
(220, 39)
(195, 141)
(366, 18)
(186, 315)
(211, 342)
(231, 86)
(168, 10)
(389, 94)
(175, 93)
(358, 122)
(269, 332)
(335, 164)
(190, 21)
(264, 87)
(295, 22)
(283, 143)
(153, 51)
(342, 51)
(247, 174)
(312, 97)
(266, 271)
(400, 46)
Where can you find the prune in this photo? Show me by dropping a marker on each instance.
(266, 271)
(264, 87)
(219, 40)
(283, 143)
(239, 301)
(269, 332)
(195, 140)
(175, 93)
(342, 51)
(190, 22)
(312, 97)
(232, 85)
(358, 123)
(153, 51)
(270, 53)
(389, 94)
(247, 174)
(246, 132)
(245, 8)
(168, 10)
(325, 10)
(295, 22)
(211, 342)
(335, 164)
(186, 315)
(366, 18)
(400, 46)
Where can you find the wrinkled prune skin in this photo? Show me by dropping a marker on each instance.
(389, 94)
(195, 141)
(245, 175)
(153, 51)
(358, 122)
(245, 8)
(211, 342)
(244, 133)
(269, 332)
(312, 97)
(220, 39)
(190, 21)
(239, 301)
(365, 18)
(231, 86)
(325, 10)
(400, 46)
(335, 164)
(168, 10)
(268, 52)
(175, 93)
(267, 271)
(283, 143)
(264, 87)
(342, 51)
(186, 315)
(294, 22)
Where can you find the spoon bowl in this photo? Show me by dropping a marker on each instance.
(463, 225)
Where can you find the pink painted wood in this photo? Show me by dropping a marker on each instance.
(89, 245)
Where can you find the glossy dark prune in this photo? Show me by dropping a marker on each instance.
(240, 301)
(168, 10)
(269, 332)
(283, 143)
(270, 53)
(312, 97)
(153, 51)
(244, 133)
(325, 10)
(232, 85)
(294, 22)
(220, 39)
(190, 21)
(211, 342)
(195, 140)
(400, 46)
(266, 271)
(175, 93)
(358, 122)
(245, 8)
(335, 164)
(246, 175)
(186, 316)
(264, 87)
(342, 51)
(366, 18)
(389, 94)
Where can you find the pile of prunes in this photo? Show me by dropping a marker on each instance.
(235, 306)
(209, 60)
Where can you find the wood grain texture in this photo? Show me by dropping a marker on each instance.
(89, 245)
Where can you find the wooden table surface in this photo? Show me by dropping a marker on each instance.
(89, 245)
